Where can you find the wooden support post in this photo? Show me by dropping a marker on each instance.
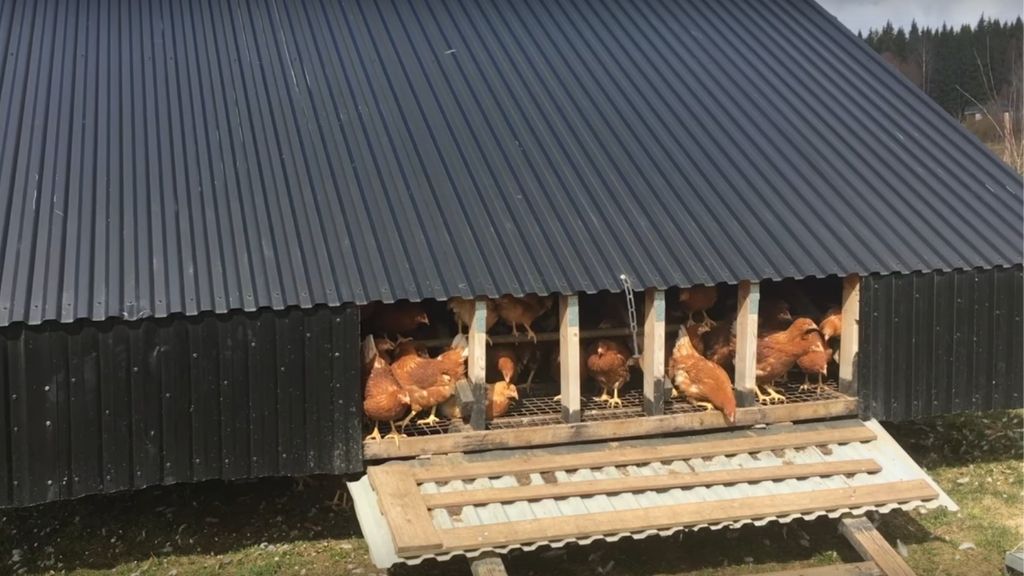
(849, 338)
(872, 546)
(487, 564)
(749, 299)
(569, 356)
(477, 364)
(653, 362)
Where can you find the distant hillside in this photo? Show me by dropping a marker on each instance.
(982, 61)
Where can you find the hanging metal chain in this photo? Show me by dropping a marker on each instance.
(631, 305)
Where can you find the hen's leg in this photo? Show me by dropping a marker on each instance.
(604, 397)
(806, 385)
(394, 433)
(375, 435)
(614, 400)
(689, 318)
(530, 333)
(405, 421)
(707, 406)
(707, 319)
(430, 419)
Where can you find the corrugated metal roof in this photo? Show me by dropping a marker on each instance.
(896, 466)
(162, 157)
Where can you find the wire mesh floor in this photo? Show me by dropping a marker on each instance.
(532, 411)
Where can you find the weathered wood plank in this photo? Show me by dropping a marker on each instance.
(610, 455)
(569, 356)
(681, 515)
(488, 564)
(849, 339)
(653, 362)
(872, 546)
(590, 431)
(852, 569)
(644, 483)
(748, 303)
(476, 369)
(412, 529)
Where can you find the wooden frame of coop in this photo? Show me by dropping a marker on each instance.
(654, 421)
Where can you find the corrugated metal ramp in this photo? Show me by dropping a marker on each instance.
(498, 501)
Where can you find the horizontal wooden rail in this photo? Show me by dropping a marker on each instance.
(681, 515)
(645, 483)
(550, 336)
(477, 441)
(622, 456)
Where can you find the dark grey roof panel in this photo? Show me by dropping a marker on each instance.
(161, 157)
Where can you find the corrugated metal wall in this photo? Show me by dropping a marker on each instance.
(98, 407)
(941, 343)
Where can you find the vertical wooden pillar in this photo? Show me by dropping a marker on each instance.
(849, 338)
(653, 361)
(476, 370)
(569, 356)
(748, 302)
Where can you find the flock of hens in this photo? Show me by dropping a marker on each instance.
(401, 379)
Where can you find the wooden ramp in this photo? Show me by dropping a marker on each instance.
(493, 502)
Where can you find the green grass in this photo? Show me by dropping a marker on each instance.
(275, 526)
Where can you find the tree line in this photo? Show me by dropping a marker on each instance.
(956, 66)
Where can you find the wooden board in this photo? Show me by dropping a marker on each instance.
(852, 569)
(653, 361)
(609, 456)
(645, 483)
(591, 431)
(411, 526)
(487, 564)
(749, 298)
(849, 339)
(872, 546)
(569, 354)
(681, 515)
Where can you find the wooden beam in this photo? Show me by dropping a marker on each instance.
(612, 429)
(476, 370)
(588, 334)
(412, 529)
(644, 483)
(569, 356)
(682, 515)
(872, 546)
(487, 564)
(748, 303)
(849, 339)
(620, 456)
(851, 569)
(653, 362)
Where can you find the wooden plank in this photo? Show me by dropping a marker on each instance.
(851, 569)
(617, 429)
(487, 564)
(681, 515)
(611, 455)
(645, 483)
(476, 370)
(872, 546)
(569, 356)
(412, 529)
(748, 303)
(653, 362)
(849, 339)
(585, 334)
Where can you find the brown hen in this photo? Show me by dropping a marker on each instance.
(815, 361)
(777, 352)
(384, 400)
(607, 362)
(523, 311)
(703, 382)
(398, 318)
(720, 341)
(698, 299)
(430, 381)
(464, 308)
(831, 324)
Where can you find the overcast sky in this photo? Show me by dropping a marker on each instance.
(864, 14)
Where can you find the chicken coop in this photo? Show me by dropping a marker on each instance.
(220, 217)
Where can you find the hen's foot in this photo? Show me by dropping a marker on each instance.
(432, 419)
(614, 401)
(707, 406)
(771, 397)
(375, 435)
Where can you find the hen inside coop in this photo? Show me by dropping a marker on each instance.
(710, 353)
